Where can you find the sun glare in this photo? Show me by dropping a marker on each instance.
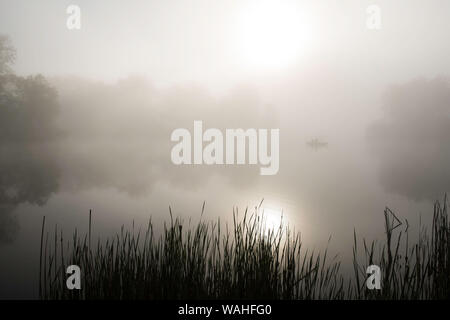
(273, 219)
(272, 34)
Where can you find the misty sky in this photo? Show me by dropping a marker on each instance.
(137, 70)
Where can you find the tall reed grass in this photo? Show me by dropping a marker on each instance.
(244, 261)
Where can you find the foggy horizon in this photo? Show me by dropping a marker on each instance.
(363, 117)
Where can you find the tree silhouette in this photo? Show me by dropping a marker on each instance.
(28, 141)
(7, 54)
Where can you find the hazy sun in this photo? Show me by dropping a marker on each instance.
(272, 34)
(273, 219)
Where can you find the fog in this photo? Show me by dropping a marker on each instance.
(93, 132)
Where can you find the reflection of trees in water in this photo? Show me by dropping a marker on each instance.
(410, 142)
(28, 167)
